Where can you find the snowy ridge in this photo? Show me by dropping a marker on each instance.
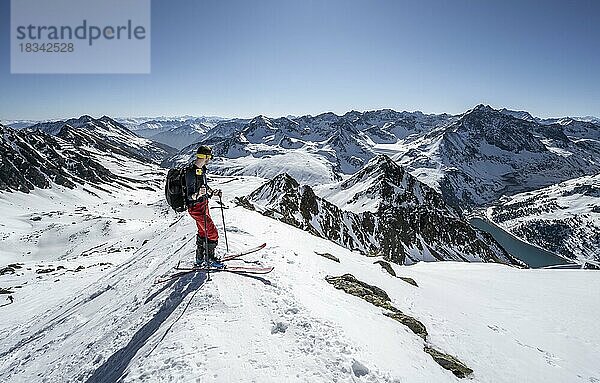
(36, 160)
(106, 135)
(176, 132)
(563, 218)
(181, 136)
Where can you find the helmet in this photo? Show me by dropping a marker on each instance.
(204, 152)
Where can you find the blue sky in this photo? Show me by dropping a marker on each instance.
(244, 58)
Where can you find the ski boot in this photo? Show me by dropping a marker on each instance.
(200, 261)
(213, 262)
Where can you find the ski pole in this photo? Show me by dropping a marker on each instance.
(206, 244)
(224, 228)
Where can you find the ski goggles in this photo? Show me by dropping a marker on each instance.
(209, 156)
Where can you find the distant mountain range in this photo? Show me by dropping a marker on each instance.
(341, 164)
(472, 158)
(176, 132)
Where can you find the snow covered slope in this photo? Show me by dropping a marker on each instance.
(563, 218)
(149, 126)
(86, 309)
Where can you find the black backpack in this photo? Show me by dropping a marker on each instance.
(175, 189)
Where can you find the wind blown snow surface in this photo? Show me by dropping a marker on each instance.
(97, 315)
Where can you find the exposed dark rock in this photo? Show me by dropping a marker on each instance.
(589, 266)
(279, 327)
(5, 291)
(372, 294)
(449, 362)
(10, 269)
(44, 271)
(409, 280)
(359, 369)
(414, 325)
(244, 202)
(329, 256)
(386, 266)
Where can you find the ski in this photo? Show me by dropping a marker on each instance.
(168, 278)
(229, 257)
(239, 269)
(233, 269)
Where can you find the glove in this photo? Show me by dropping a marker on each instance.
(201, 193)
(217, 192)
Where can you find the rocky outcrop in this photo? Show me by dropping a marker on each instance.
(11, 268)
(372, 294)
(409, 281)
(386, 266)
(328, 256)
(449, 362)
(410, 322)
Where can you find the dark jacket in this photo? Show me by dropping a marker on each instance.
(193, 183)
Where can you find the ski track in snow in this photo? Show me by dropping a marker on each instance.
(115, 324)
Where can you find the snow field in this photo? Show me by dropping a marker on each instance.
(111, 322)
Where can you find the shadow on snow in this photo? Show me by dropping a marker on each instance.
(112, 369)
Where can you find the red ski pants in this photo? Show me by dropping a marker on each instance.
(199, 212)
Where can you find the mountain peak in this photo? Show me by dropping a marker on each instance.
(384, 165)
(260, 118)
(379, 176)
(273, 189)
(481, 108)
(108, 119)
(85, 118)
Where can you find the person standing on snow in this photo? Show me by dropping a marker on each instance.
(197, 195)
